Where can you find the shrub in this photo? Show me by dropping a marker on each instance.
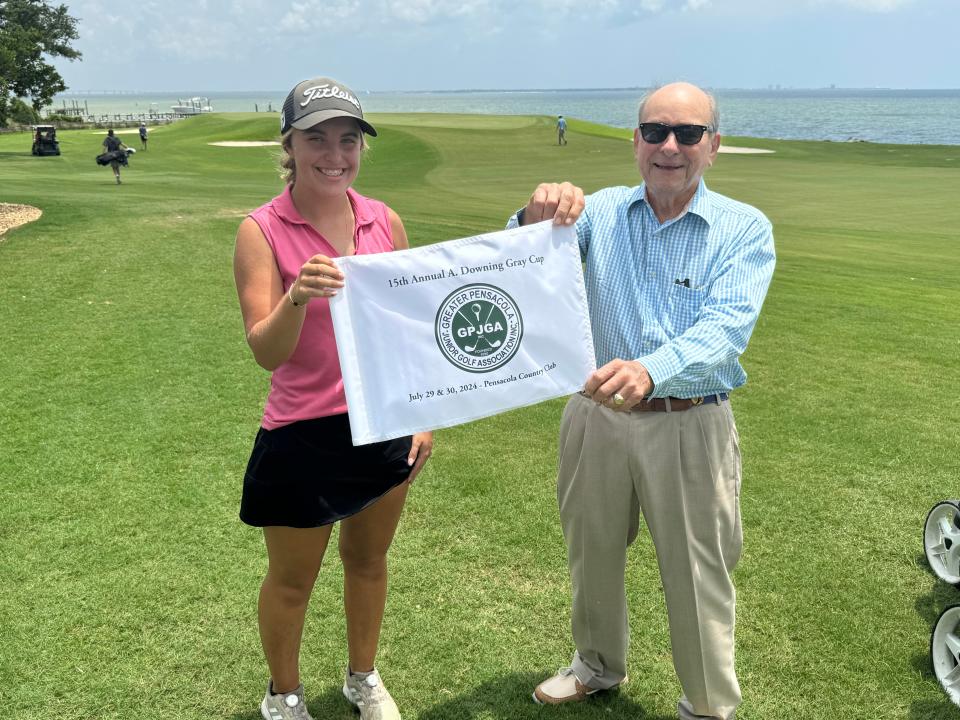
(63, 116)
(22, 114)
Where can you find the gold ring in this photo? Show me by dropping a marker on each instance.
(618, 399)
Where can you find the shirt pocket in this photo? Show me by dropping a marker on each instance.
(684, 308)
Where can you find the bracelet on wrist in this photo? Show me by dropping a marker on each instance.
(292, 301)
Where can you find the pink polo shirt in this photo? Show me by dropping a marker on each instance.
(309, 384)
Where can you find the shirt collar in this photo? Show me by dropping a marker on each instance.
(284, 207)
(699, 205)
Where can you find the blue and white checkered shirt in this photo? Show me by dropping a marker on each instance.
(680, 297)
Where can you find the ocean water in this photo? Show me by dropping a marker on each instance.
(840, 115)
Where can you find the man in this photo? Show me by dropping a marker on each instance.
(561, 130)
(112, 144)
(675, 277)
(143, 136)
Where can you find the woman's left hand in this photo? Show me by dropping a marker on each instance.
(420, 452)
(561, 202)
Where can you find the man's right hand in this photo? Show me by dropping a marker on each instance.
(561, 202)
(620, 384)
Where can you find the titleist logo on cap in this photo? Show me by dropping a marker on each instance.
(317, 92)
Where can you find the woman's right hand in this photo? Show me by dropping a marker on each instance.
(318, 277)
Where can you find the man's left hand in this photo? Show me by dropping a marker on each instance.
(620, 384)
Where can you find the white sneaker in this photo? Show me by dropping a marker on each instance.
(564, 687)
(370, 697)
(284, 706)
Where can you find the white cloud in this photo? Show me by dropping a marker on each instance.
(881, 6)
(304, 14)
(617, 10)
(309, 14)
(250, 8)
(657, 6)
(550, 9)
(765, 8)
(236, 32)
(191, 40)
(425, 11)
(877, 5)
(216, 28)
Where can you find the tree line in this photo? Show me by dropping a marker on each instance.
(31, 31)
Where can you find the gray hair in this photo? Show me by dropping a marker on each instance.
(714, 110)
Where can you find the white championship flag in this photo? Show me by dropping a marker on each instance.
(440, 335)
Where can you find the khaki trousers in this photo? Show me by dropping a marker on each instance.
(682, 470)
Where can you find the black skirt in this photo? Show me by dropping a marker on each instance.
(309, 474)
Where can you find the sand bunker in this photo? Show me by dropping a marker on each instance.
(745, 151)
(118, 131)
(243, 143)
(12, 216)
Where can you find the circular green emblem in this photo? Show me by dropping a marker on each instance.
(478, 328)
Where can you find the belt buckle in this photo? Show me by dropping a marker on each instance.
(697, 400)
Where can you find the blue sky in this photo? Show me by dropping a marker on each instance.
(214, 45)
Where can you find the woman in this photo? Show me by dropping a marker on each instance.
(304, 473)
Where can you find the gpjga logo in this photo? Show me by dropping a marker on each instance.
(478, 328)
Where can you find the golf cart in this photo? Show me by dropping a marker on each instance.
(941, 544)
(45, 140)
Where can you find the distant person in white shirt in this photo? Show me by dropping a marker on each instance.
(561, 130)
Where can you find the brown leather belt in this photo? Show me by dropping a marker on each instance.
(673, 404)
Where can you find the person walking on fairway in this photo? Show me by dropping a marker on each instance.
(112, 144)
(561, 130)
(676, 275)
(143, 136)
(304, 473)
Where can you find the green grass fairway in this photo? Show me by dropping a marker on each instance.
(129, 401)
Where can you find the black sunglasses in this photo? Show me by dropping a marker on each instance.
(655, 133)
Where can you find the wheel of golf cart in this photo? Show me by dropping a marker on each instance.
(941, 540)
(945, 652)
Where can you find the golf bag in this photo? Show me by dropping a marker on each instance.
(119, 155)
